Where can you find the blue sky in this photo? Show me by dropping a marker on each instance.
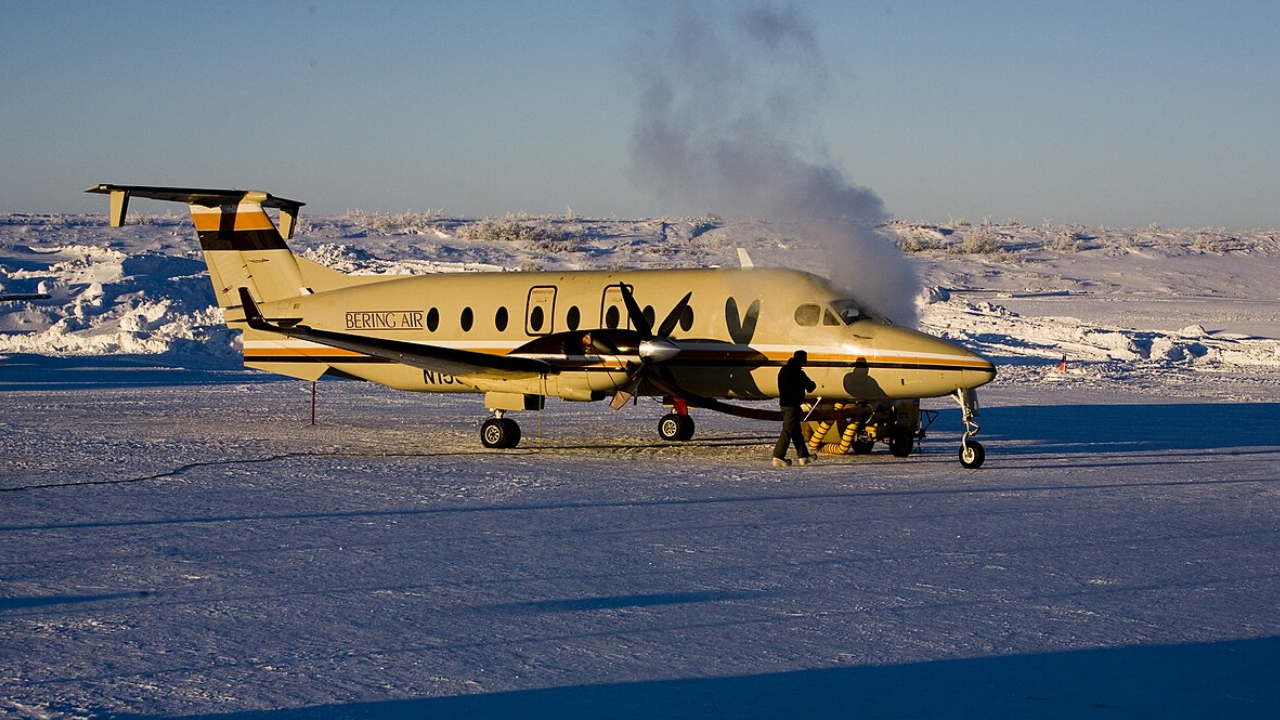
(1098, 113)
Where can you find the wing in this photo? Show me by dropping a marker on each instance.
(461, 363)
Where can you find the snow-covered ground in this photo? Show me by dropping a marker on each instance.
(177, 540)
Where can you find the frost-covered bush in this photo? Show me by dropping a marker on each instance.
(1216, 241)
(527, 232)
(917, 237)
(1068, 241)
(979, 241)
(918, 243)
(405, 223)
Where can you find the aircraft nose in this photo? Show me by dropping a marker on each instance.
(962, 367)
(979, 370)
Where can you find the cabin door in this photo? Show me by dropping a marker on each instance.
(613, 309)
(540, 312)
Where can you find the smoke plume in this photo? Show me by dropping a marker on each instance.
(725, 102)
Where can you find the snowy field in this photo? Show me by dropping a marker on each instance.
(176, 540)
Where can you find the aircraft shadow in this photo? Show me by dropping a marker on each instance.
(1126, 428)
(26, 372)
(1217, 679)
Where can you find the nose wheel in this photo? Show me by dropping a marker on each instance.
(972, 454)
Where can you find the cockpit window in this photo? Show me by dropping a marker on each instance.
(829, 319)
(807, 315)
(848, 311)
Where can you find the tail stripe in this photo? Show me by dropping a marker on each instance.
(236, 228)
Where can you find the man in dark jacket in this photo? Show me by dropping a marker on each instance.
(793, 383)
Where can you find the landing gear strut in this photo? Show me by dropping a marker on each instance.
(972, 454)
(499, 432)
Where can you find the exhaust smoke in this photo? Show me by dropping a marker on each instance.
(725, 97)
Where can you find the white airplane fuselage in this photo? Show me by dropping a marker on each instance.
(740, 327)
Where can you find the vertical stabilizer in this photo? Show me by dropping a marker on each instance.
(241, 245)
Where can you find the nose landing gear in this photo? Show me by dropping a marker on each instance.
(972, 454)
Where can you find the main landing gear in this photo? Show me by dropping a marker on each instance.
(676, 426)
(499, 432)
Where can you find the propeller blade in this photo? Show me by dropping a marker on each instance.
(653, 349)
(673, 317)
(629, 389)
(637, 316)
(620, 399)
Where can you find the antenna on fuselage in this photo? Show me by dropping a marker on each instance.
(744, 259)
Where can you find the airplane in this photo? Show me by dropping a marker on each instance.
(521, 337)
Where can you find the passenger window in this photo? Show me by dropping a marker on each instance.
(649, 315)
(535, 319)
(686, 318)
(467, 319)
(612, 317)
(433, 319)
(808, 315)
(573, 318)
(500, 320)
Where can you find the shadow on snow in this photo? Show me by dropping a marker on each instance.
(25, 371)
(1221, 679)
(1129, 428)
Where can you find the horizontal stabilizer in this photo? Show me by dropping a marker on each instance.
(204, 197)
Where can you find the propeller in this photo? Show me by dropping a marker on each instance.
(655, 348)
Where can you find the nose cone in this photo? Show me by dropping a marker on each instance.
(953, 366)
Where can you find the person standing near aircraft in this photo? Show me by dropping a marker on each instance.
(793, 383)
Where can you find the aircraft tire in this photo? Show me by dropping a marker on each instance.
(674, 427)
(901, 444)
(972, 454)
(499, 433)
(686, 427)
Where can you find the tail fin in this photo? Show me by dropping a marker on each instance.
(241, 245)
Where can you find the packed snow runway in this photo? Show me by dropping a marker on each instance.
(177, 550)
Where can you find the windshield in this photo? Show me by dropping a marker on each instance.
(849, 311)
